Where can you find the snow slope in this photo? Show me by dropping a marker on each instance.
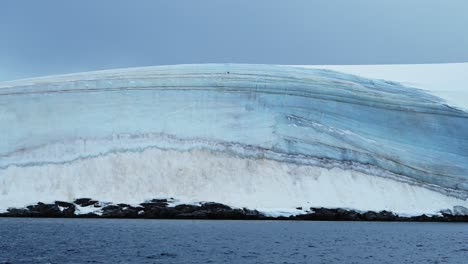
(446, 80)
(257, 136)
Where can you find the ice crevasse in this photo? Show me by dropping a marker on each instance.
(267, 137)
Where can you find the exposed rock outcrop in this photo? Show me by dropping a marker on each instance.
(167, 209)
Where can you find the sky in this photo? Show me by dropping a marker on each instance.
(54, 36)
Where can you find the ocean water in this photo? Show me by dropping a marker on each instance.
(24, 240)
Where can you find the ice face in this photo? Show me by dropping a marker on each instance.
(307, 117)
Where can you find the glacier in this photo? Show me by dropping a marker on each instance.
(268, 137)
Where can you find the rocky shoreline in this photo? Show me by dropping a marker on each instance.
(166, 209)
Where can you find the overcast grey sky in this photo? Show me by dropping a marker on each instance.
(54, 36)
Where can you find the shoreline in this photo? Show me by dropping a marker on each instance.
(163, 209)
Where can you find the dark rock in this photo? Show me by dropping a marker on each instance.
(68, 208)
(159, 213)
(85, 202)
(111, 207)
(386, 216)
(252, 214)
(345, 215)
(204, 211)
(350, 215)
(64, 204)
(18, 212)
(112, 211)
(121, 211)
(369, 216)
(420, 218)
(326, 214)
(159, 201)
(44, 210)
(458, 218)
(161, 209)
(215, 207)
(88, 215)
(154, 204)
(186, 208)
(236, 214)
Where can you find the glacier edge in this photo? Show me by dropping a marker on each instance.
(317, 122)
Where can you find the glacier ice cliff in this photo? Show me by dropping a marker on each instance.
(259, 136)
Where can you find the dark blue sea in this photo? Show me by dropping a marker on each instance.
(24, 240)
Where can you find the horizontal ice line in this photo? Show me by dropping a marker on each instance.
(427, 108)
(262, 153)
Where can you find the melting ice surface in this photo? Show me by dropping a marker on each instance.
(257, 136)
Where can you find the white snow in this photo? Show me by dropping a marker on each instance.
(445, 80)
(88, 210)
(199, 175)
